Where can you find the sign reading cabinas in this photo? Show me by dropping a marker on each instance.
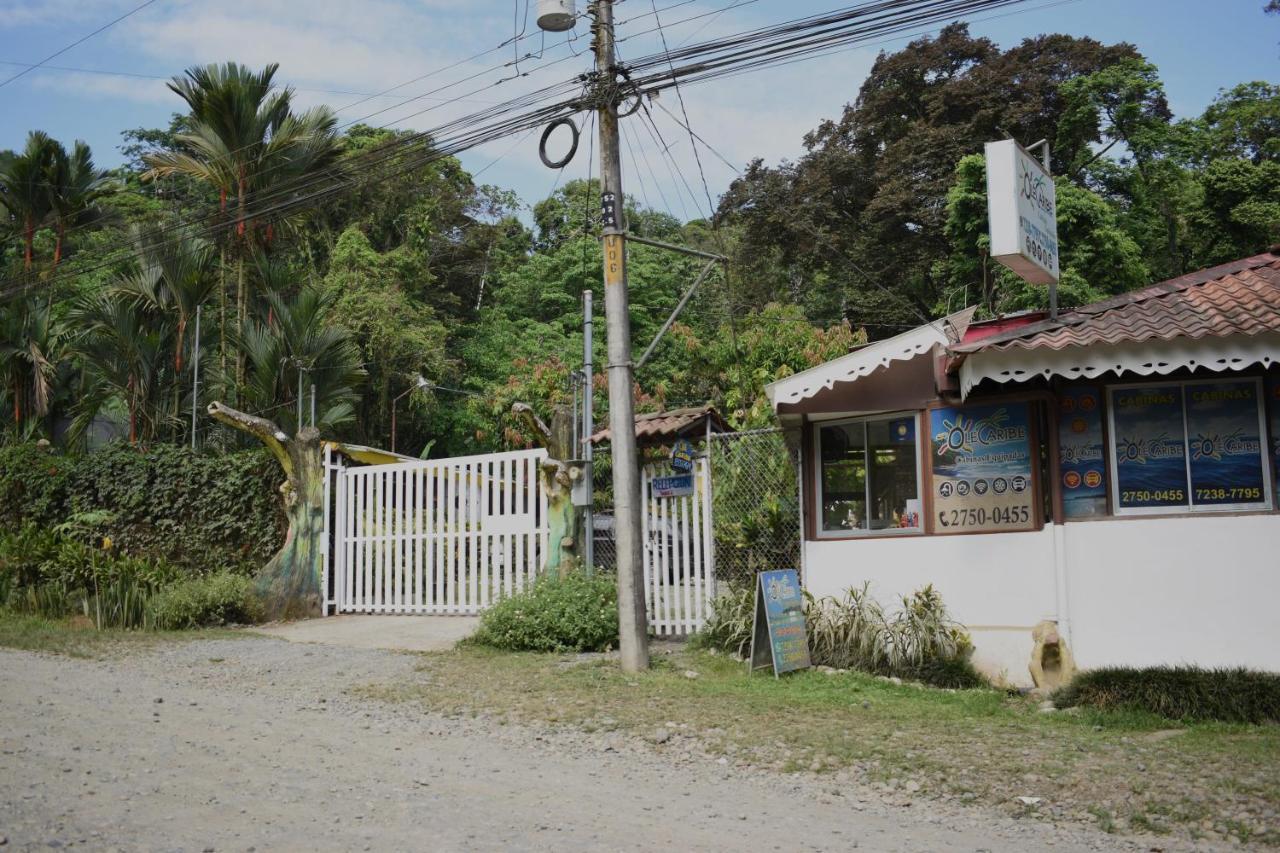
(982, 468)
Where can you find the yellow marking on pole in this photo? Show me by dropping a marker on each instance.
(613, 259)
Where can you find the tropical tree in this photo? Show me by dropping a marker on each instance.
(244, 140)
(75, 187)
(31, 349)
(296, 348)
(174, 277)
(25, 188)
(125, 348)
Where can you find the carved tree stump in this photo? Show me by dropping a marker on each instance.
(557, 476)
(289, 584)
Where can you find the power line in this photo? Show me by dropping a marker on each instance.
(711, 207)
(77, 42)
(134, 75)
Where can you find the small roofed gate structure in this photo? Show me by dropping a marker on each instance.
(677, 530)
(434, 536)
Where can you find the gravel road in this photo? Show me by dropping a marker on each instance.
(251, 744)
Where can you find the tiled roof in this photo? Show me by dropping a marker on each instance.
(656, 426)
(1238, 298)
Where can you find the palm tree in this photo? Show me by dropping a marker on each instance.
(245, 139)
(125, 349)
(298, 348)
(76, 186)
(26, 182)
(174, 276)
(31, 348)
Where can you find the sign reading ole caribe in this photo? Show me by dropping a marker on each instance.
(1022, 212)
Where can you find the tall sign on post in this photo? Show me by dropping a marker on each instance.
(1022, 214)
(633, 623)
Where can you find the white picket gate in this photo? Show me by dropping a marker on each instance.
(679, 553)
(442, 536)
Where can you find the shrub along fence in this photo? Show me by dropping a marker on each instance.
(197, 512)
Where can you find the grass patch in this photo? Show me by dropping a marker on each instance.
(77, 637)
(970, 745)
(1179, 693)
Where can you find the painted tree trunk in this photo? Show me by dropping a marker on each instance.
(564, 520)
(289, 584)
(558, 474)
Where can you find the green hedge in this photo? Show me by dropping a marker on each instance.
(1179, 693)
(575, 613)
(199, 512)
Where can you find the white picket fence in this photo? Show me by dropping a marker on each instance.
(442, 536)
(679, 557)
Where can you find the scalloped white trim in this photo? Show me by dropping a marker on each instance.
(1145, 358)
(855, 365)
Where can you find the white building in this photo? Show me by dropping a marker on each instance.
(1112, 472)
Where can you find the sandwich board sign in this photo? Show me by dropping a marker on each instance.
(778, 635)
(1022, 212)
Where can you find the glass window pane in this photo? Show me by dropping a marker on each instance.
(1080, 452)
(1225, 442)
(891, 446)
(844, 477)
(1149, 443)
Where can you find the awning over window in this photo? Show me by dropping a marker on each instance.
(1223, 318)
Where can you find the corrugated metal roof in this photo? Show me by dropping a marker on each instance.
(1238, 298)
(656, 426)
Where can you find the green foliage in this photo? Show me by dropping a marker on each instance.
(203, 602)
(119, 603)
(728, 628)
(919, 642)
(1179, 693)
(1099, 258)
(573, 613)
(195, 511)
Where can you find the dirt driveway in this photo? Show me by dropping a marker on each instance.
(251, 744)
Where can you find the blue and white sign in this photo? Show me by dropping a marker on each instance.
(678, 486)
(779, 636)
(982, 468)
(1022, 212)
(682, 456)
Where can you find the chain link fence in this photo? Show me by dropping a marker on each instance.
(755, 500)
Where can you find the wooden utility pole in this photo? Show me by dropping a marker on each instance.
(633, 627)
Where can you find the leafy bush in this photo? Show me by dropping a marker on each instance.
(25, 551)
(574, 613)
(119, 603)
(1179, 692)
(920, 641)
(201, 512)
(218, 599)
(728, 628)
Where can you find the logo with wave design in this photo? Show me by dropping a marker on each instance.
(1138, 451)
(964, 434)
(1216, 446)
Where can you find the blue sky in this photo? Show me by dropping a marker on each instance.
(329, 49)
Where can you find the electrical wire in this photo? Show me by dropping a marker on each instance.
(76, 43)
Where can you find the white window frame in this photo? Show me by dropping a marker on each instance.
(819, 532)
(1190, 506)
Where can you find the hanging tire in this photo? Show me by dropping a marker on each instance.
(546, 134)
